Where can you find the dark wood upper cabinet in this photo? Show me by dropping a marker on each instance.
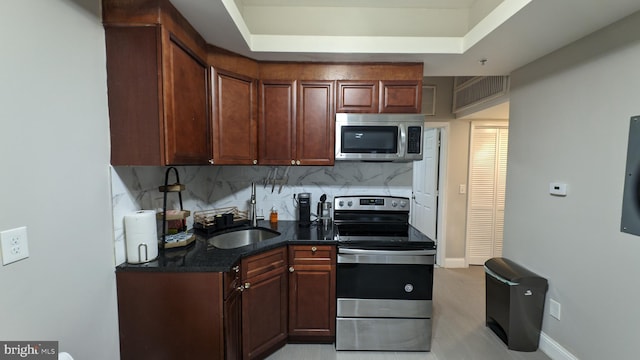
(157, 86)
(296, 122)
(383, 96)
(187, 118)
(277, 122)
(135, 105)
(400, 96)
(315, 123)
(357, 96)
(235, 130)
(312, 293)
(175, 100)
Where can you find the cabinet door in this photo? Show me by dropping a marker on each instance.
(187, 118)
(277, 123)
(357, 96)
(264, 315)
(400, 96)
(234, 119)
(312, 294)
(264, 303)
(315, 123)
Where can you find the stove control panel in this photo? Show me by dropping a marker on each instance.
(371, 203)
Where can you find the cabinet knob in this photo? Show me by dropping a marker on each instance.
(211, 161)
(247, 285)
(314, 249)
(293, 162)
(255, 162)
(297, 162)
(291, 269)
(240, 288)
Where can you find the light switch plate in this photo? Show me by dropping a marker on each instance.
(558, 189)
(14, 245)
(554, 309)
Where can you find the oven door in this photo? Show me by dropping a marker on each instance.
(385, 274)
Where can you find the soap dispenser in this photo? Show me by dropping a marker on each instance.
(273, 217)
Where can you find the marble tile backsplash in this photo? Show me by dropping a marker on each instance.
(211, 187)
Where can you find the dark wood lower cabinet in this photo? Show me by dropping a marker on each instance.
(165, 315)
(312, 293)
(264, 303)
(233, 326)
(233, 314)
(284, 294)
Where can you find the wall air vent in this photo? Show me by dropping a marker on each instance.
(470, 91)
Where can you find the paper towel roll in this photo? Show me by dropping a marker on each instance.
(141, 234)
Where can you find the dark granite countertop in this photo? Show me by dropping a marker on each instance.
(199, 256)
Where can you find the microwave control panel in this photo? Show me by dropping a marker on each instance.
(414, 134)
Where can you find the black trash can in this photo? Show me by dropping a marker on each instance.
(514, 303)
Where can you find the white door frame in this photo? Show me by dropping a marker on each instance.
(443, 166)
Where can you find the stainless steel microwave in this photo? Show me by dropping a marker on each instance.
(379, 137)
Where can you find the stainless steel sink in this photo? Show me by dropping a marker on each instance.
(243, 237)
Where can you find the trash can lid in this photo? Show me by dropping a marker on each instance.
(513, 273)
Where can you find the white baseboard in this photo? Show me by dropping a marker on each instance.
(554, 350)
(455, 263)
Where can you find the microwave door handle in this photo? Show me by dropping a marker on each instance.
(402, 140)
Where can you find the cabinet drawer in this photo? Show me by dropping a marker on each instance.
(260, 264)
(312, 254)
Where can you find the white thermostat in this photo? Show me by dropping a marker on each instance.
(558, 189)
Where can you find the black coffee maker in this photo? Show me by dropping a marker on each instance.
(304, 209)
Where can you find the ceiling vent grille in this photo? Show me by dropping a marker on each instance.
(470, 91)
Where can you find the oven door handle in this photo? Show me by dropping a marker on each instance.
(385, 252)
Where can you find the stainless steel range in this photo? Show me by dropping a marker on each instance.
(384, 276)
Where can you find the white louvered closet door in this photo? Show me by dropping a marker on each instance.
(485, 202)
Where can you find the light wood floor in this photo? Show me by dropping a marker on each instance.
(459, 332)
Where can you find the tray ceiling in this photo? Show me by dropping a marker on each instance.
(451, 37)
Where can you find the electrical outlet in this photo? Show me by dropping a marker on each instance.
(554, 309)
(14, 245)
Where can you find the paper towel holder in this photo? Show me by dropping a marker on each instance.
(146, 253)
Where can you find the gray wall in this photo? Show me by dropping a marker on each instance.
(54, 154)
(457, 164)
(569, 122)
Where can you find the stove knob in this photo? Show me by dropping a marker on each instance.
(408, 288)
(341, 203)
(350, 203)
(403, 203)
(394, 203)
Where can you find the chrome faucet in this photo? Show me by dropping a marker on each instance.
(252, 209)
